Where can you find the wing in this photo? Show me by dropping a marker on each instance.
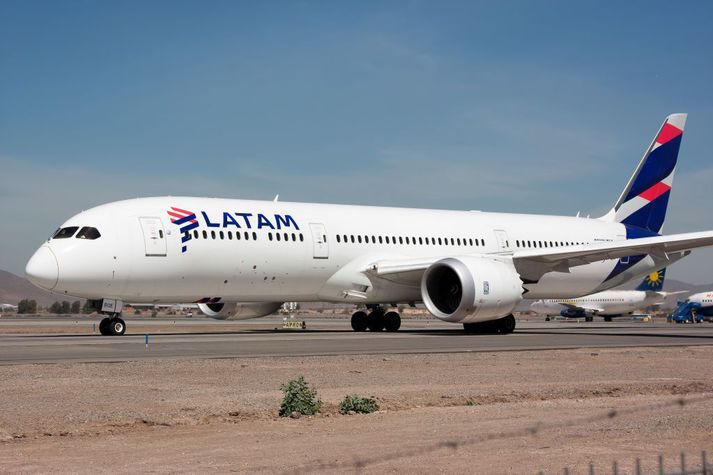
(533, 264)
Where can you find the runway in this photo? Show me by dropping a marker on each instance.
(323, 337)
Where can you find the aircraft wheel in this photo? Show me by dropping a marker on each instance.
(473, 328)
(507, 324)
(359, 320)
(117, 327)
(588, 319)
(392, 321)
(104, 326)
(376, 321)
(607, 319)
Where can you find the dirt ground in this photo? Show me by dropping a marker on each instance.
(507, 412)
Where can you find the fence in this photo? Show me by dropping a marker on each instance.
(703, 469)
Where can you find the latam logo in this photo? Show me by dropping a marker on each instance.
(188, 221)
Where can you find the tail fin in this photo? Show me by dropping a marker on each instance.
(653, 281)
(643, 202)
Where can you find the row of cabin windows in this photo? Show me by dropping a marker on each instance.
(415, 241)
(519, 243)
(245, 235)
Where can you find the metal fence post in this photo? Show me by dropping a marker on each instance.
(683, 463)
(661, 472)
(615, 469)
(704, 463)
(638, 466)
(591, 468)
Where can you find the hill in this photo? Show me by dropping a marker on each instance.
(14, 288)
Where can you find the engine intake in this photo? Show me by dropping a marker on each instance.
(470, 289)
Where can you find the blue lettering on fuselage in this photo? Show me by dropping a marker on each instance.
(207, 221)
(280, 221)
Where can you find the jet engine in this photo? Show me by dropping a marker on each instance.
(470, 289)
(238, 311)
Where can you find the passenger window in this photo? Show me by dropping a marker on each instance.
(302, 238)
(387, 239)
(222, 236)
(65, 233)
(254, 236)
(230, 235)
(90, 233)
(237, 235)
(286, 236)
(195, 234)
(381, 241)
(212, 234)
(339, 239)
(160, 233)
(247, 236)
(277, 236)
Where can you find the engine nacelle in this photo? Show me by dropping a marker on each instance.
(238, 311)
(575, 313)
(470, 289)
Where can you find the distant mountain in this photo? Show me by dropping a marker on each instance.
(14, 288)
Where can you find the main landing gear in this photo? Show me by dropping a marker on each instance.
(376, 320)
(501, 325)
(112, 325)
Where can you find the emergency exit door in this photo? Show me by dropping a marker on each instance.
(154, 236)
(319, 241)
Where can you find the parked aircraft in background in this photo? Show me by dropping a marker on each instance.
(695, 308)
(610, 303)
(242, 259)
(6, 307)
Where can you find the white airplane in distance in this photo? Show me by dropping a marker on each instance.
(241, 259)
(609, 303)
(701, 304)
(6, 307)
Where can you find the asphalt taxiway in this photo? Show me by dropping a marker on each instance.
(323, 337)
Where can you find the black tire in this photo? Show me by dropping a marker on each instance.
(547, 319)
(359, 320)
(104, 326)
(117, 326)
(376, 321)
(392, 321)
(607, 319)
(506, 325)
(473, 328)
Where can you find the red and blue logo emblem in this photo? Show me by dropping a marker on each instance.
(187, 222)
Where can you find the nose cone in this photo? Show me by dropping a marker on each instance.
(42, 269)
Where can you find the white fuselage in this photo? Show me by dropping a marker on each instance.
(608, 302)
(302, 252)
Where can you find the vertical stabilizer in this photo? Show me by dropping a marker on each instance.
(643, 202)
(653, 282)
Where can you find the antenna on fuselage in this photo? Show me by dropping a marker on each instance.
(277, 196)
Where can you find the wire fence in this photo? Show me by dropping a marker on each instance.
(454, 444)
(703, 469)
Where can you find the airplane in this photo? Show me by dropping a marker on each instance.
(6, 307)
(609, 303)
(697, 306)
(242, 259)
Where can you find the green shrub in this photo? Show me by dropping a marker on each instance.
(299, 397)
(353, 402)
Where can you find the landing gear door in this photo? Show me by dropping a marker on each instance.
(319, 241)
(154, 236)
(503, 241)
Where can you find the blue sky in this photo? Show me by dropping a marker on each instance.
(541, 107)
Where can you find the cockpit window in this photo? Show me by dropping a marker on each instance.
(65, 233)
(88, 233)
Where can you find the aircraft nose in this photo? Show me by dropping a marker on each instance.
(42, 268)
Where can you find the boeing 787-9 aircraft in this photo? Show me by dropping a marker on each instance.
(241, 259)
